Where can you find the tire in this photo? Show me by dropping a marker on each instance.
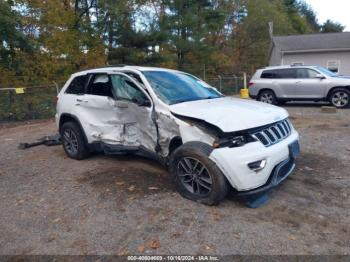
(340, 98)
(196, 177)
(73, 141)
(267, 96)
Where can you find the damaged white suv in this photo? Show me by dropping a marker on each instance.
(210, 142)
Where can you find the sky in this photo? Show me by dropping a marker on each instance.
(336, 10)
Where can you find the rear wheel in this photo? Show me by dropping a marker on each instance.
(267, 96)
(73, 141)
(196, 177)
(340, 98)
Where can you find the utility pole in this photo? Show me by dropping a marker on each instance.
(271, 29)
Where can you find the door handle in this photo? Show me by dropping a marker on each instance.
(80, 100)
(121, 104)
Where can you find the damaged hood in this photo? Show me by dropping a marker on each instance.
(231, 114)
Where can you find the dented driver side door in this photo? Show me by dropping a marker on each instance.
(116, 111)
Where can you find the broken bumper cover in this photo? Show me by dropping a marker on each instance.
(279, 174)
(234, 163)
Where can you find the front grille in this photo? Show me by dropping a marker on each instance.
(274, 133)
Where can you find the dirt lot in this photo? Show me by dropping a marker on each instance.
(50, 204)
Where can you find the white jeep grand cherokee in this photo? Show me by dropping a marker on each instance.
(210, 142)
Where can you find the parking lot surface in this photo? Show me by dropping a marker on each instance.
(50, 204)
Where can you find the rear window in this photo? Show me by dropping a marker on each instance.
(77, 86)
(268, 74)
(279, 74)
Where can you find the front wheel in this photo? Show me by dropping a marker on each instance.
(340, 98)
(196, 177)
(73, 141)
(267, 96)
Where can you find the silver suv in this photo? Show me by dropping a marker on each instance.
(276, 85)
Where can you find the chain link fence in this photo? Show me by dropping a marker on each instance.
(26, 103)
(228, 85)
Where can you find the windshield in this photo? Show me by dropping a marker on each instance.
(326, 71)
(177, 87)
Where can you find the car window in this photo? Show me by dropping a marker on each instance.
(326, 71)
(279, 73)
(176, 87)
(285, 73)
(305, 73)
(268, 74)
(77, 86)
(135, 76)
(101, 85)
(125, 89)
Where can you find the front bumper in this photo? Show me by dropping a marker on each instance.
(233, 162)
(279, 174)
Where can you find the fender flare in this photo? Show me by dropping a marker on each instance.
(74, 118)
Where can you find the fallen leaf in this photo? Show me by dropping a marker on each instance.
(208, 247)
(291, 237)
(120, 183)
(122, 252)
(131, 188)
(154, 244)
(56, 220)
(51, 237)
(141, 248)
(153, 188)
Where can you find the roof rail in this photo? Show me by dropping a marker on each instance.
(102, 67)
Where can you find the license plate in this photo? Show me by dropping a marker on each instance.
(294, 149)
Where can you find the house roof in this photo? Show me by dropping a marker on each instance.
(313, 42)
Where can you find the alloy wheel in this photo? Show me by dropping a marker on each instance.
(266, 98)
(70, 141)
(194, 176)
(340, 99)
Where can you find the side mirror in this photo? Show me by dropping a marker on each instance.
(145, 103)
(320, 76)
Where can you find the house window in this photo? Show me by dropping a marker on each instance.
(333, 66)
(297, 63)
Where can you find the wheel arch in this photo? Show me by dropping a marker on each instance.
(334, 88)
(203, 151)
(266, 89)
(65, 117)
(175, 142)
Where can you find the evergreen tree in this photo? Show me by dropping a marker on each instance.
(332, 27)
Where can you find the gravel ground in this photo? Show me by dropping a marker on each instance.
(51, 204)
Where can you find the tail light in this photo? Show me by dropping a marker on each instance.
(250, 84)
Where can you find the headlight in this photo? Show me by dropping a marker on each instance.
(234, 141)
